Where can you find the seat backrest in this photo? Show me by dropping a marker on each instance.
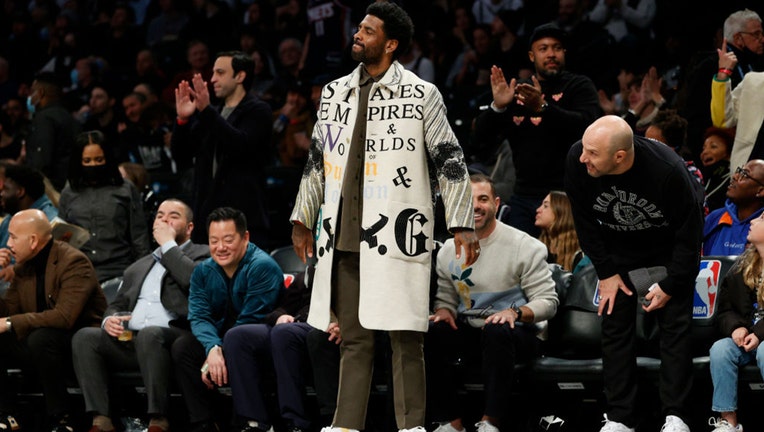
(288, 260)
(708, 283)
(703, 332)
(575, 332)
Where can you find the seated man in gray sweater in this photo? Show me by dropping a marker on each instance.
(493, 311)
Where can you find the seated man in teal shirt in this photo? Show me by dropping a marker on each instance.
(238, 286)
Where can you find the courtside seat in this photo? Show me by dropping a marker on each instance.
(288, 260)
(573, 352)
(704, 332)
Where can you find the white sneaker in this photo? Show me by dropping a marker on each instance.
(337, 429)
(674, 424)
(613, 426)
(485, 426)
(414, 429)
(446, 427)
(721, 425)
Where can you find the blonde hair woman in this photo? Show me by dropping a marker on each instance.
(739, 312)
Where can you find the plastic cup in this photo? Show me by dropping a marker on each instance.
(127, 334)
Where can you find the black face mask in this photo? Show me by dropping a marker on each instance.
(95, 174)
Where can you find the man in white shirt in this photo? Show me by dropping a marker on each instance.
(155, 292)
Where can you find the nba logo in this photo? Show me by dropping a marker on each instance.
(596, 297)
(706, 286)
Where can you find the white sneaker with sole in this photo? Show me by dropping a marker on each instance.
(721, 425)
(614, 426)
(446, 427)
(414, 429)
(674, 424)
(337, 429)
(485, 426)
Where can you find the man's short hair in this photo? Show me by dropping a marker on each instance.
(396, 23)
(186, 208)
(482, 178)
(241, 62)
(221, 214)
(51, 83)
(29, 178)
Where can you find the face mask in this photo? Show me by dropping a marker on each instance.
(30, 105)
(95, 174)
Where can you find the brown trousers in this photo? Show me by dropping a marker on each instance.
(357, 357)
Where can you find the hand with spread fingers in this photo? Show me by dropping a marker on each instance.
(503, 93)
(608, 290)
(529, 95)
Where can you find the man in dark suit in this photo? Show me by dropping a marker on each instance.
(229, 145)
(54, 292)
(154, 294)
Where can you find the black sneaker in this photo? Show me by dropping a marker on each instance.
(252, 427)
(61, 424)
(8, 423)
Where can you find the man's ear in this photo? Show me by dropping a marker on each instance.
(34, 240)
(619, 156)
(240, 76)
(391, 45)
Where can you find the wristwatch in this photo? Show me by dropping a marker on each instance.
(519, 313)
(543, 107)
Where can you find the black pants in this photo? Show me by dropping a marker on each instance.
(619, 353)
(188, 355)
(96, 355)
(45, 353)
(325, 362)
(495, 348)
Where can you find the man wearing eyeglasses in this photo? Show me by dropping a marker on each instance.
(743, 52)
(736, 88)
(726, 228)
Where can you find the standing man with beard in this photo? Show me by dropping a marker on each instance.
(381, 141)
(492, 313)
(541, 119)
(229, 145)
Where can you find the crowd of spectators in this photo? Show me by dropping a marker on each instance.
(123, 72)
(117, 65)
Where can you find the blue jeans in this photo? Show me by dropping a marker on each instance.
(726, 359)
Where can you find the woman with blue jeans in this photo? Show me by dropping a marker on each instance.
(739, 313)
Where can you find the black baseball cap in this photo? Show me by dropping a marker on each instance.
(548, 30)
